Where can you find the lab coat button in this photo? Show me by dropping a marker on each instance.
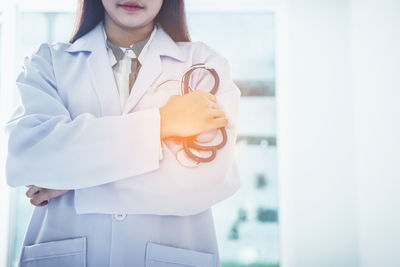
(119, 217)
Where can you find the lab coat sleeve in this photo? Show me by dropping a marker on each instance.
(48, 149)
(174, 189)
(211, 182)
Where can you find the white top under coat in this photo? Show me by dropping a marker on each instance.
(122, 71)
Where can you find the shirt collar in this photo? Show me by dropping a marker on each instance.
(139, 48)
(161, 45)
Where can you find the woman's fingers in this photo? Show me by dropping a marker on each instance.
(220, 122)
(212, 97)
(53, 193)
(44, 203)
(217, 113)
(208, 95)
(32, 191)
(40, 197)
(213, 105)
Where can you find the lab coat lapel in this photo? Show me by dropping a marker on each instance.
(99, 69)
(104, 82)
(149, 71)
(102, 75)
(161, 45)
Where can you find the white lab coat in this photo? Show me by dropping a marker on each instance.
(69, 132)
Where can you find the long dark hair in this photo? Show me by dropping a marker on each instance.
(171, 17)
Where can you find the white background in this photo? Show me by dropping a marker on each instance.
(338, 132)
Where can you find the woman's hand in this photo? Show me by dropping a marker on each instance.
(191, 114)
(41, 196)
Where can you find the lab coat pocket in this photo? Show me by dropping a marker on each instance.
(67, 252)
(166, 256)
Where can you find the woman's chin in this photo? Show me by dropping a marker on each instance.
(132, 23)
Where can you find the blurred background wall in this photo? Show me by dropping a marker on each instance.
(338, 93)
(316, 135)
(376, 86)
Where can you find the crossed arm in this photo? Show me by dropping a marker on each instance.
(43, 140)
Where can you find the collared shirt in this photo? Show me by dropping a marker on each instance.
(126, 63)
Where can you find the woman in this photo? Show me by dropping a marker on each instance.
(86, 138)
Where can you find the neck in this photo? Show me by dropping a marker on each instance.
(125, 36)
